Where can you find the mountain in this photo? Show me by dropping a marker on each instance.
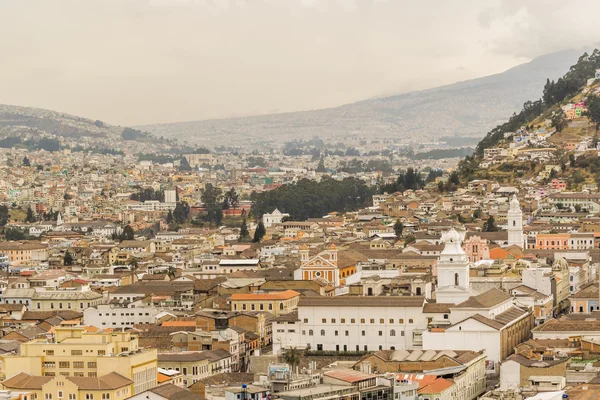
(469, 108)
(553, 137)
(36, 128)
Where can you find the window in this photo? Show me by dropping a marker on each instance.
(410, 321)
(352, 321)
(64, 364)
(261, 306)
(244, 306)
(364, 333)
(445, 316)
(324, 320)
(48, 396)
(49, 352)
(322, 332)
(391, 320)
(333, 320)
(79, 374)
(60, 394)
(101, 352)
(381, 321)
(72, 396)
(347, 333)
(336, 333)
(252, 306)
(372, 320)
(401, 320)
(392, 333)
(310, 332)
(76, 352)
(281, 306)
(343, 320)
(380, 333)
(78, 364)
(270, 306)
(401, 333)
(362, 320)
(105, 396)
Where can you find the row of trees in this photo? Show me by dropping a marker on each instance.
(308, 198)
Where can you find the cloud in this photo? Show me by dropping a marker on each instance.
(147, 61)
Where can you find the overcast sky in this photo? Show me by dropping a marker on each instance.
(134, 62)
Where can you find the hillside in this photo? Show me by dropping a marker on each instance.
(37, 128)
(467, 108)
(555, 137)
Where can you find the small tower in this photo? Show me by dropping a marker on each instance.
(303, 253)
(454, 285)
(333, 253)
(59, 220)
(515, 223)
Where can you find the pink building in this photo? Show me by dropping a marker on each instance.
(558, 184)
(477, 249)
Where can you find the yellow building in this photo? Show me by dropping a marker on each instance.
(277, 303)
(73, 352)
(108, 387)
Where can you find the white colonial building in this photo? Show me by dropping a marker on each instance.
(352, 323)
(120, 314)
(276, 217)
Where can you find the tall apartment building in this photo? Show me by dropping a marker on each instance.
(73, 352)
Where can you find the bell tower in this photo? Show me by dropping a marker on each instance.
(515, 223)
(454, 285)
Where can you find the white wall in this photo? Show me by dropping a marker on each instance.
(510, 375)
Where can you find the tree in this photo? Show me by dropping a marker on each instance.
(68, 259)
(454, 178)
(14, 234)
(260, 232)
(170, 217)
(30, 217)
(408, 240)
(26, 162)
(593, 110)
(128, 233)
(490, 225)
(321, 166)
(577, 207)
(211, 197)
(171, 272)
(184, 165)
(181, 213)
(558, 121)
(231, 199)
(244, 234)
(4, 215)
(477, 213)
(292, 356)
(572, 160)
(398, 228)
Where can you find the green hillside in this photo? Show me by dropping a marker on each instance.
(553, 137)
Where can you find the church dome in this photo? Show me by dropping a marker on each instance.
(560, 264)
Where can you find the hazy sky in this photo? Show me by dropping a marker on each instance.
(146, 61)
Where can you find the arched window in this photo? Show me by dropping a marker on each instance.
(270, 306)
(514, 223)
(456, 279)
(310, 332)
(322, 332)
(392, 333)
(281, 306)
(418, 291)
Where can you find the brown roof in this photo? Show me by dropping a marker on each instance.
(173, 392)
(589, 291)
(568, 326)
(362, 301)
(26, 381)
(183, 356)
(486, 299)
(437, 307)
(535, 363)
(104, 382)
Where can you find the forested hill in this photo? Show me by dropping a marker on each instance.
(545, 123)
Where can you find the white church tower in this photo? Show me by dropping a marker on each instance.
(454, 285)
(515, 223)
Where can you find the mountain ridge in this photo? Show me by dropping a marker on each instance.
(412, 116)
